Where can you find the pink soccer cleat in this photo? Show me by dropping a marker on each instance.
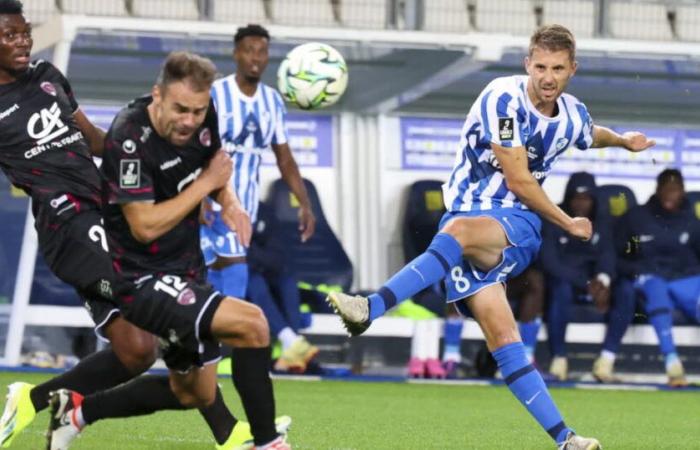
(416, 368)
(434, 369)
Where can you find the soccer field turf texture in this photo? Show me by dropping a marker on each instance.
(362, 415)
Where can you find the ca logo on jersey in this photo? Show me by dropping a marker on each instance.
(46, 125)
(129, 173)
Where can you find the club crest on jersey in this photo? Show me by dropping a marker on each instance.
(186, 297)
(129, 173)
(49, 88)
(205, 137)
(129, 146)
(505, 128)
(562, 143)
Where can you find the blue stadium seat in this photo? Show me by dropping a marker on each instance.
(322, 259)
(694, 199)
(615, 199)
(424, 208)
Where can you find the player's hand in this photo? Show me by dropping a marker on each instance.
(600, 295)
(206, 213)
(635, 141)
(218, 171)
(581, 228)
(307, 223)
(238, 220)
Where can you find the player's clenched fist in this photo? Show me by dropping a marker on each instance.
(581, 228)
(219, 170)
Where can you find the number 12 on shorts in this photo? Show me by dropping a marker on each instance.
(171, 285)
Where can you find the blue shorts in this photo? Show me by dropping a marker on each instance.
(522, 228)
(218, 240)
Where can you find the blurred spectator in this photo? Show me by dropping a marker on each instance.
(662, 258)
(526, 294)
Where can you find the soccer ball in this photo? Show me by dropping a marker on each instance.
(312, 76)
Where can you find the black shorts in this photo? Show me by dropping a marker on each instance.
(77, 254)
(180, 313)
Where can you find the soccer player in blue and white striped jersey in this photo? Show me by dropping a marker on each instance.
(513, 134)
(251, 121)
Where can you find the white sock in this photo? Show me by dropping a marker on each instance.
(287, 337)
(607, 354)
(432, 338)
(417, 342)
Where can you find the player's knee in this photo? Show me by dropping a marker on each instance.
(135, 348)
(256, 331)
(457, 228)
(192, 394)
(503, 337)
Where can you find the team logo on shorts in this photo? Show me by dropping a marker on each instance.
(505, 128)
(105, 288)
(205, 137)
(186, 297)
(129, 173)
(49, 88)
(129, 146)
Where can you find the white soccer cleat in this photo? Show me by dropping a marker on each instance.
(62, 428)
(353, 311)
(676, 374)
(603, 370)
(559, 368)
(576, 442)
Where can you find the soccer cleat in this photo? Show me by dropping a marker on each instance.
(559, 367)
(416, 368)
(434, 369)
(676, 374)
(278, 444)
(19, 412)
(63, 427)
(241, 437)
(576, 442)
(353, 311)
(603, 370)
(296, 356)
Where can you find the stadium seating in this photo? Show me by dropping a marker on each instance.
(639, 21)
(166, 9)
(448, 16)
(506, 16)
(94, 7)
(424, 208)
(39, 10)
(364, 13)
(578, 16)
(322, 259)
(688, 22)
(239, 11)
(615, 199)
(310, 12)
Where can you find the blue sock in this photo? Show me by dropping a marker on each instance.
(453, 338)
(214, 278)
(443, 253)
(234, 280)
(527, 385)
(659, 308)
(528, 332)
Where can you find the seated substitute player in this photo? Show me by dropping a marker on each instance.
(161, 159)
(664, 262)
(513, 133)
(251, 121)
(46, 149)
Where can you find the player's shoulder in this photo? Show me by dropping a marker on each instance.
(42, 69)
(130, 118)
(223, 82)
(572, 101)
(514, 85)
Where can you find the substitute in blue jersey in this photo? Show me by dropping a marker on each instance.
(251, 121)
(490, 233)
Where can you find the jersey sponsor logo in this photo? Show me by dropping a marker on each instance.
(9, 111)
(129, 146)
(188, 179)
(205, 137)
(505, 128)
(46, 124)
(130, 173)
(531, 153)
(539, 174)
(49, 88)
(172, 163)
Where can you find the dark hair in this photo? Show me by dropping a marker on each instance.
(10, 7)
(553, 38)
(179, 66)
(252, 29)
(669, 176)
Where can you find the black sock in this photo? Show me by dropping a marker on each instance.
(101, 370)
(142, 395)
(219, 418)
(251, 376)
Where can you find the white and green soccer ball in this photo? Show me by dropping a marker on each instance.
(312, 76)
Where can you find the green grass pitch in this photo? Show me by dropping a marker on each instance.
(357, 415)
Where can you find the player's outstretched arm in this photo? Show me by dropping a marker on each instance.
(633, 141)
(290, 174)
(520, 182)
(234, 215)
(148, 221)
(94, 135)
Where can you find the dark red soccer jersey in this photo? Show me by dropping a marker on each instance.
(42, 150)
(139, 165)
